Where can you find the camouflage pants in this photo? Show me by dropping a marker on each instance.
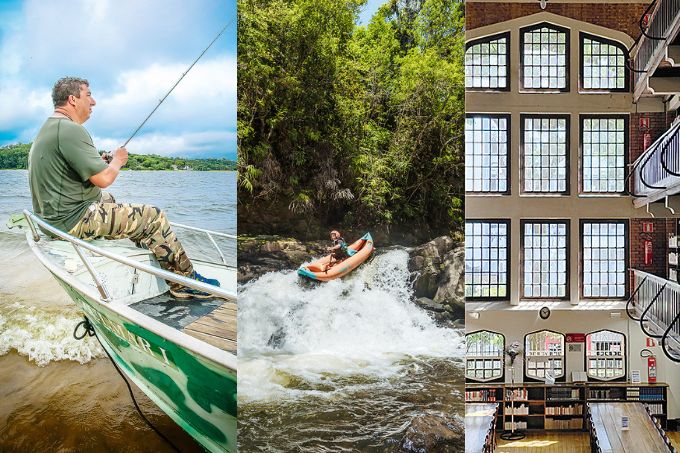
(147, 226)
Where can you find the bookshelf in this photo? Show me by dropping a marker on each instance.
(562, 406)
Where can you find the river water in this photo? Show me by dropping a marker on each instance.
(342, 366)
(61, 395)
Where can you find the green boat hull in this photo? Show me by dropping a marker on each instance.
(197, 393)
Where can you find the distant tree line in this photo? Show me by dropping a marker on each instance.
(16, 157)
(348, 123)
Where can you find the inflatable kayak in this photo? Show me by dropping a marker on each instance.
(359, 252)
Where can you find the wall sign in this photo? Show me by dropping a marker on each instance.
(644, 123)
(575, 347)
(635, 376)
(576, 338)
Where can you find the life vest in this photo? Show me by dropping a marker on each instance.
(343, 245)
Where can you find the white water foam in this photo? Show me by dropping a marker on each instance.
(362, 325)
(44, 336)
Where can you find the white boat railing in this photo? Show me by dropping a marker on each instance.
(32, 219)
(210, 235)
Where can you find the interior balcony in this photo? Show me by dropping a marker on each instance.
(656, 175)
(656, 61)
(655, 305)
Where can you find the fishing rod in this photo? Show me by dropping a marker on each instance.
(109, 156)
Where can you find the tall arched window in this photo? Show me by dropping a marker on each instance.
(545, 57)
(486, 63)
(544, 354)
(603, 64)
(484, 357)
(605, 355)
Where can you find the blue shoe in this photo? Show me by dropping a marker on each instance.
(210, 281)
(184, 292)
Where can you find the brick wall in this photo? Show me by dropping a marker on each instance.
(662, 227)
(617, 16)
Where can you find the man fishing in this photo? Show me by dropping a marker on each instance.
(66, 175)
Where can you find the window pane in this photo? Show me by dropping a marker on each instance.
(603, 158)
(604, 261)
(545, 259)
(484, 355)
(544, 353)
(486, 153)
(545, 154)
(486, 257)
(486, 64)
(603, 65)
(544, 58)
(605, 355)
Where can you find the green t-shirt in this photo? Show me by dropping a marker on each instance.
(60, 163)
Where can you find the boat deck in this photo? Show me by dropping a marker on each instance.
(217, 327)
(209, 320)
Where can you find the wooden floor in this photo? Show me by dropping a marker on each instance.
(547, 442)
(217, 328)
(675, 438)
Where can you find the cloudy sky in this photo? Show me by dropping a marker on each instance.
(131, 52)
(368, 10)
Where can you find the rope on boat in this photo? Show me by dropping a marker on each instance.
(89, 330)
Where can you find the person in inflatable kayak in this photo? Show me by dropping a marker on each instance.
(338, 250)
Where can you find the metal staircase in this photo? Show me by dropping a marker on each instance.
(655, 304)
(655, 63)
(656, 173)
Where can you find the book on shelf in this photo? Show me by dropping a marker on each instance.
(487, 395)
(571, 423)
(606, 394)
(517, 410)
(556, 394)
(655, 408)
(518, 425)
(576, 409)
(516, 394)
(651, 393)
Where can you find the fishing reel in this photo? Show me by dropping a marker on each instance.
(106, 156)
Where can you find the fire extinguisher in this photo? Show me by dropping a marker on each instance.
(648, 252)
(651, 365)
(646, 141)
(651, 369)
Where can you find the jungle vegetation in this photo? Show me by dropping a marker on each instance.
(361, 124)
(16, 157)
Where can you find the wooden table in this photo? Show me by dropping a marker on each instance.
(479, 428)
(641, 435)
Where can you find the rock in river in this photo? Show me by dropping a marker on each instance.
(429, 433)
(438, 267)
(261, 254)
